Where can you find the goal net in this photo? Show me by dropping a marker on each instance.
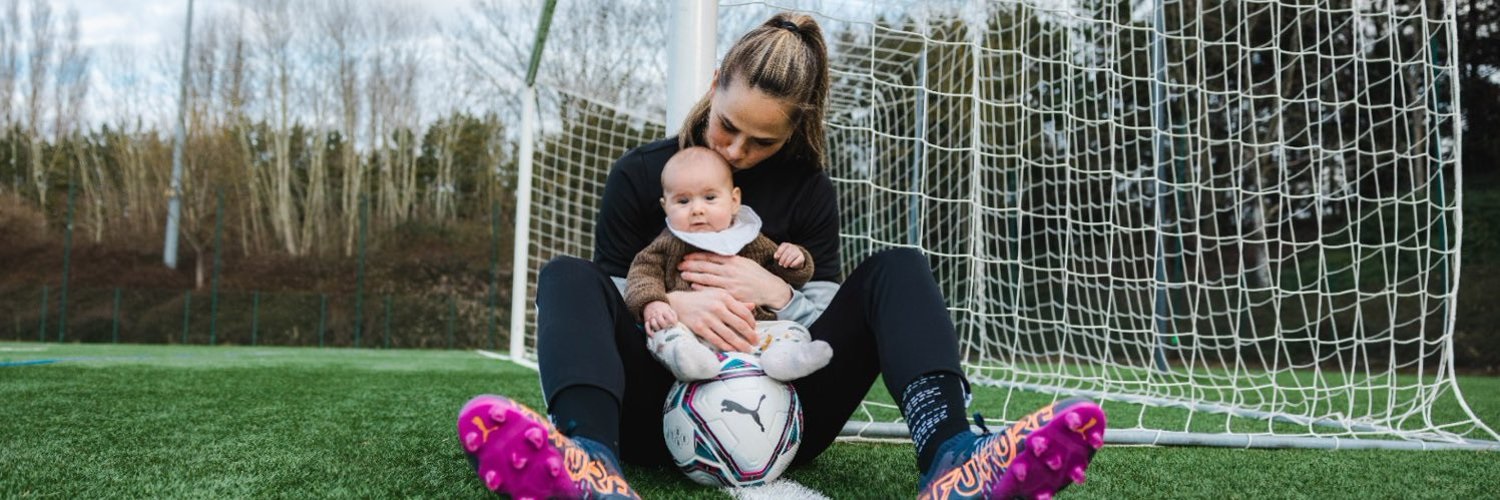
(1235, 223)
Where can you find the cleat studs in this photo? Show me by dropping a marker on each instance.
(1074, 420)
(1044, 496)
(1019, 470)
(1096, 440)
(1038, 445)
(1077, 475)
(517, 461)
(554, 466)
(492, 480)
(497, 414)
(1054, 462)
(536, 437)
(471, 441)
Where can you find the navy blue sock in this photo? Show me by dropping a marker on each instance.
(598, 451)
(958, 447)
(583, 411)
(934, 408)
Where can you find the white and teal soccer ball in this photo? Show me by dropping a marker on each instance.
(738, 429)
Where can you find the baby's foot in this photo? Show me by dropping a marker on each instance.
(787, 361)
(681, 352)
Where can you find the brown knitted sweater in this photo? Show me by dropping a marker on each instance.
(653, 273)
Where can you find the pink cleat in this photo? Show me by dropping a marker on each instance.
(1034, 458)
(516, 451)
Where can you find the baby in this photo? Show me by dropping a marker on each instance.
(704, 214)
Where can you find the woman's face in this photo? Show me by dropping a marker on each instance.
(745, 125)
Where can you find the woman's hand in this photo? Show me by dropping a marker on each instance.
(716, 317)
(745, 280)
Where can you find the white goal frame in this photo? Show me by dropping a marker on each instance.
(1156, 345)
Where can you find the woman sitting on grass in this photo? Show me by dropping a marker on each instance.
(764, 114)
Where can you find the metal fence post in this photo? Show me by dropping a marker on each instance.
(359, 289)
(114, 329)
(41, 331)
(187, 314)
(322, 316)
(494, 270)
(213, 314)
(62, 305)
(255, 318)
(452, 314)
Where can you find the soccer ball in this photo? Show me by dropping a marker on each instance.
(740, 428)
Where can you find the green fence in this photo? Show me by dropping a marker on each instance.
(160, 316)
(62, 309)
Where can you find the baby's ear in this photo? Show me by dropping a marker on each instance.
(735, 194)
(663, 202)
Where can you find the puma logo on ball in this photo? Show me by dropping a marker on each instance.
(738, 408)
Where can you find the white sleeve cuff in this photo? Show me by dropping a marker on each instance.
(619, 284)
(808, 303)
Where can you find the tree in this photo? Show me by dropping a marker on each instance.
(343, 31)
(10, 64)
(583, 51)
(71, 79)
(1479, 66)
(10, 70)
(38, 63)
(275, 22)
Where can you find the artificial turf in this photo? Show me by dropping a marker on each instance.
(191, 421)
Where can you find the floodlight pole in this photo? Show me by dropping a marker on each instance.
(691, 46)
(174, 197)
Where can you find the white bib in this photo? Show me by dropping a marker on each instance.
(731, 240)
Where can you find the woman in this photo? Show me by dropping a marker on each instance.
(764, 114)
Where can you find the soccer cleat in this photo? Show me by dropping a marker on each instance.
(1034, 458)
(520, 453)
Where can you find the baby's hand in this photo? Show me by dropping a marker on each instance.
(659, 316)
(789, 256)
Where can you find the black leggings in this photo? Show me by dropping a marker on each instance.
(887, 318)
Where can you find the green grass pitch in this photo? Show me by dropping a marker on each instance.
(190, 421)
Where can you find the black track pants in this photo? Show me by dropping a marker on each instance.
(888, 318)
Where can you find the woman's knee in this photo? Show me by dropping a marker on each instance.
(899, 259)
(567, 270)
(898, 267)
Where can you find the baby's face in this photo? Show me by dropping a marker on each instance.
(700, 199)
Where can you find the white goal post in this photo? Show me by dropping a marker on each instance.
(1235, 223)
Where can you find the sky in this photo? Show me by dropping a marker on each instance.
(147, 30)
(133, 23)
(146, 23)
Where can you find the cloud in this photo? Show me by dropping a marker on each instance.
(146, 24)
(139, 24)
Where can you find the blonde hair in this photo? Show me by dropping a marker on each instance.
(785, 57)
